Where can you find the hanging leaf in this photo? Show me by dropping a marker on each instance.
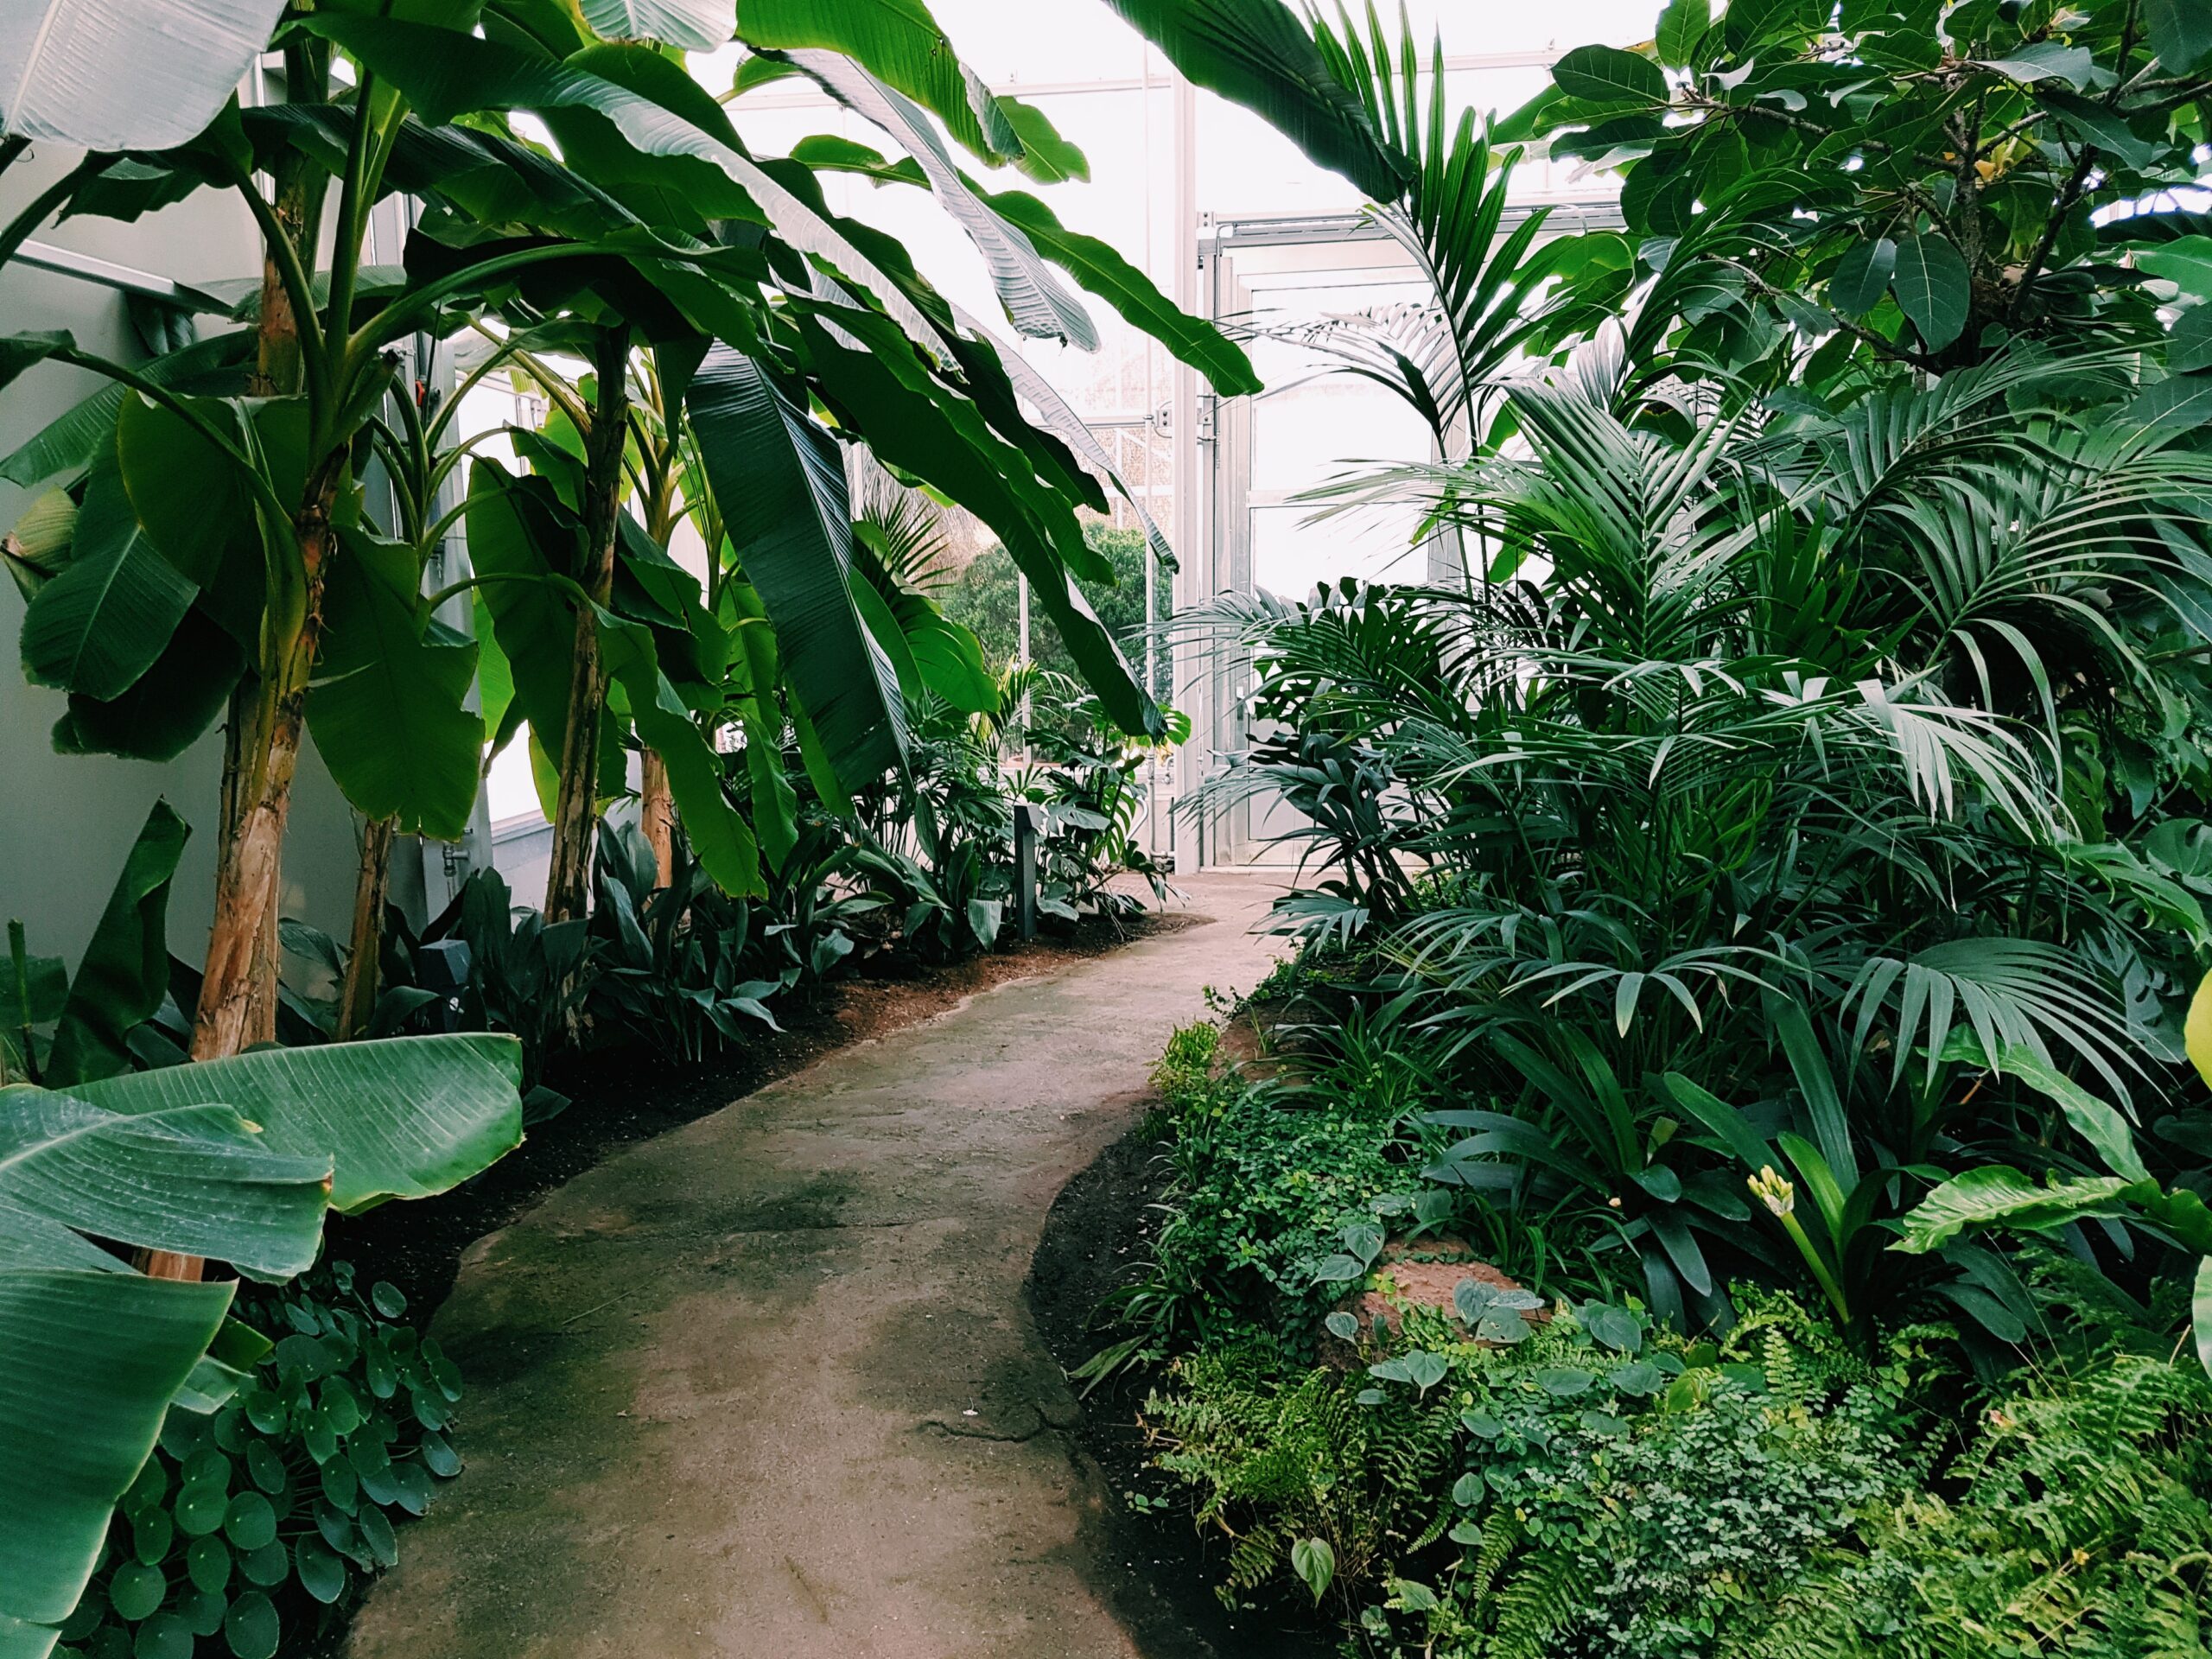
(124, 971)
(687, 25)
(1611, 77)
(2180, 32)
(1255, 53)
(1862, 277)
(779, 478)
(144, 76)
(1932, 285)
(388, 706)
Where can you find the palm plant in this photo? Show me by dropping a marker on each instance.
(1740, 777)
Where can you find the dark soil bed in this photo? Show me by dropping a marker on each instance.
(621, 1096)
(1097, 1239)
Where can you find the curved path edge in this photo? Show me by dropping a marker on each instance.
(768, 1385)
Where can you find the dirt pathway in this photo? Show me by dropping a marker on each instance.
(767, 1386)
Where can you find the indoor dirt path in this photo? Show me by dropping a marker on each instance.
(768, 1387)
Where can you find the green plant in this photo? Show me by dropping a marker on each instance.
(256, 1527)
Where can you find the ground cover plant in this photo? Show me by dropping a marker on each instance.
(1751, 903)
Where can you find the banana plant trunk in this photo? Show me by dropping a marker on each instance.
(356, 1000)
(567, 879)
(656, 806)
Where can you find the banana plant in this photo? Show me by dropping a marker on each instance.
(232, 1159)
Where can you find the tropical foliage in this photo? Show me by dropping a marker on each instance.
(1752, 901)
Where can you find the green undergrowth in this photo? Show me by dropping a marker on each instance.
(256, 1528)
(1583, 1480)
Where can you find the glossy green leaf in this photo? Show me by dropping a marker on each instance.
(124, 971)
(1932, 286)
(2180, 32)
(91, 1361)
(779, 477)
(688, 25)
(106, 618)
(2200, 1308)
(387, 708)
(401, 1117)
(1257, 53)
(1607, 76)
(192, 1178)
(899, 43)
(719, 838)
(169, 707)
(1999, 1196)
(1862, 277)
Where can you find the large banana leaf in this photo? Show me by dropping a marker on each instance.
(106, 618)
(1255, 53)
(1035, 301)
(779, 479)
(403, 1117)
(653, 130)
(917, 424)
(126, 969)
(388, 708)
(689, 25)
(196, 1180)
(720, 840)
(901, 45)
(142, 76)
(91, 1361)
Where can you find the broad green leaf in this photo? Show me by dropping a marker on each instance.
(912, 422)
(1036, 301)
(66, 445)
(1932, 285)
(2200, 1309)
(145, 77)
(720, 840)
(519, 537)
(107, 617)
(2100, 1125)
(2044, 61)
(400, 1117)
(2180, 32)
(1681, 26)
(197, 1181)
(692, 155)
(2189, 346)
(1104, 272)
(2186, 262)
(2000, 1195)
(779, 477)
(1862, 277)
(1315, 1563)
(2100, 123)
(1257, 53)
(1609, 77)
(192, 501)
(899, 43)
(169, 706)
(92, 1361)
(20, 352)
(387, 707)
(688, 25)
(125, 972)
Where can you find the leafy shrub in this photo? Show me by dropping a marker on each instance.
(256, 1526)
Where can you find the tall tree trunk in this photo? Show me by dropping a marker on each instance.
(656, 807)
(356, 1000)
(568, 877)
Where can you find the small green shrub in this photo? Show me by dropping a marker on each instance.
(256, 1527)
